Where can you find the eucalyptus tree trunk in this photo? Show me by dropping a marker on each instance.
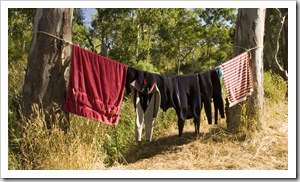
(45, 81)
(104, 44)
(284, 11)
(137, 43)
(149, 45)
(250, 34)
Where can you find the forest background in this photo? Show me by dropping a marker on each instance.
(165, 41)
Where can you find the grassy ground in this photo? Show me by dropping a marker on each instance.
(92, 145)
(215, 149)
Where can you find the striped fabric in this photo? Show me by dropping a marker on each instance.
(237, 79)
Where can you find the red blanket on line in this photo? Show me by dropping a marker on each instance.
(96, 86)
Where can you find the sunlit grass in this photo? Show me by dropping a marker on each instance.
(90, 144)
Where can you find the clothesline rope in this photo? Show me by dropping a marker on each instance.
(64, 41)
(248, 50)
(68, 42)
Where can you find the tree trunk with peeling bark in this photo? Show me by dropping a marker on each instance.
(250, 34)
(45, 81)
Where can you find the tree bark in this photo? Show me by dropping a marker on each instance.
(104, 48)
(149, 45)
(249, 34)
(284, 48)
(45, 80)
(137, 43)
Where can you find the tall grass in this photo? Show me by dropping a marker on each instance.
(275, 87)
(44, 149)
(90, 144)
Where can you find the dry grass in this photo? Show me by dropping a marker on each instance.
(54, 150)
(215, 149)
(86, 146)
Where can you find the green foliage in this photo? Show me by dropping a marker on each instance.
(145, 66)
(120, 138)
(275, 88)
(20, 26)
(173, 40)
(20, 23)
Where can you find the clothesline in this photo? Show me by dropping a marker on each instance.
(68, 42)
(248, 50)
(99, 96)
(64, 41)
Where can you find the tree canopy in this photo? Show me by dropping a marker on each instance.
(165, 40)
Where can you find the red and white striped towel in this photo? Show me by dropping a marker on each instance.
(237, 78)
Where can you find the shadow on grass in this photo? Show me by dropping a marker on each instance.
(145, 149)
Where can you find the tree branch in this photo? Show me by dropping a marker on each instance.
(275, 63)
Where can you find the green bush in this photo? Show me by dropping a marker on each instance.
(275, 88)
(145, 66)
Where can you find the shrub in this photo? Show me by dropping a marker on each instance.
(145, 66)
(275, 88)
